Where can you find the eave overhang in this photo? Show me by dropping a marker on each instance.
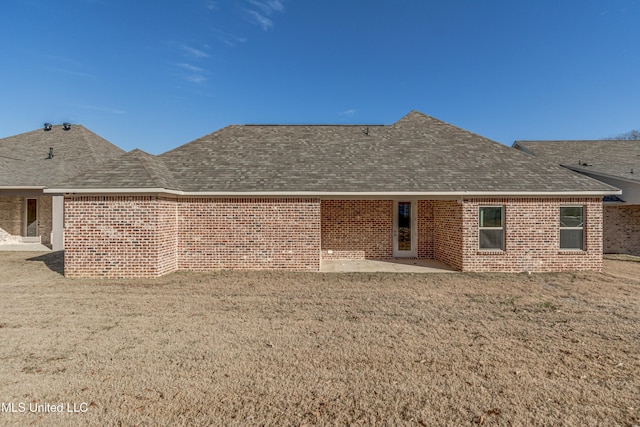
(325, 194)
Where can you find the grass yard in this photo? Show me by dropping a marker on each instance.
(275, 348)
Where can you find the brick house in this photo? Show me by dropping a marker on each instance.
(31, 161)
(290, 196)
(613, 162)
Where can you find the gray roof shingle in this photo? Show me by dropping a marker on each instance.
(24, 158)
(135, 169)
(416, 154)
(613, 158)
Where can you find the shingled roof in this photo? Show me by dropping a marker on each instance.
(416, 155)
(608, 158)
(24, 158)
(135, 169)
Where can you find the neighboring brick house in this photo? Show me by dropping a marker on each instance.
(31, 161)
(613, 162)
(289, 196)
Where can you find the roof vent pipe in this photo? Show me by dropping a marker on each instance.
(50, 153)
(66, 126)
(47, 126)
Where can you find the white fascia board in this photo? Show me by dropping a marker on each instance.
(335, 193)
(404, 193)
(111, 191)
(21, 187)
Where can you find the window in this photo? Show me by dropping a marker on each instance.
(572, 227)
(491, 227)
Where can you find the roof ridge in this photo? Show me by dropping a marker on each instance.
(412, 115)
(147, 161)
(89, 137)
(315, 125)
(141, 155)
(85, 140)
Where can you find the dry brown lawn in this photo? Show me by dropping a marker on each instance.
(276, 348)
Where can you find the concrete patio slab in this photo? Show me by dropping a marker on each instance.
(24, 247)
(397, 265)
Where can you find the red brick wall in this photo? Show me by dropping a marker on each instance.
(248, 233)
(45, 221)
(622, 229)
(447, 234)
(425, 229)
(118, 236)
(357, 229)
(11, 218)
(363, 229)
(532, 236)
(167, 235)
(145, 236)
(134, 236)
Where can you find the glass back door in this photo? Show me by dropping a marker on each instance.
(404, 229)
(32, 217)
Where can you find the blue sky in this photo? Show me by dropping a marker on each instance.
(157, 74)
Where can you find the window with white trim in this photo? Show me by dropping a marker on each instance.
(572, 228)
(491, 227)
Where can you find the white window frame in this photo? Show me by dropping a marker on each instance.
(584, 243)
(480, 228)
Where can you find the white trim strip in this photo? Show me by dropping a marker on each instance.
(21, 187)
(331, 193)
(112, 191)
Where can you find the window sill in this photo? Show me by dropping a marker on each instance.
(490, 252)
(571, 251)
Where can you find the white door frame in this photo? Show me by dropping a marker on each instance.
(413, 252)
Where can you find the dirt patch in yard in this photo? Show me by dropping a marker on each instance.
(275, 348)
